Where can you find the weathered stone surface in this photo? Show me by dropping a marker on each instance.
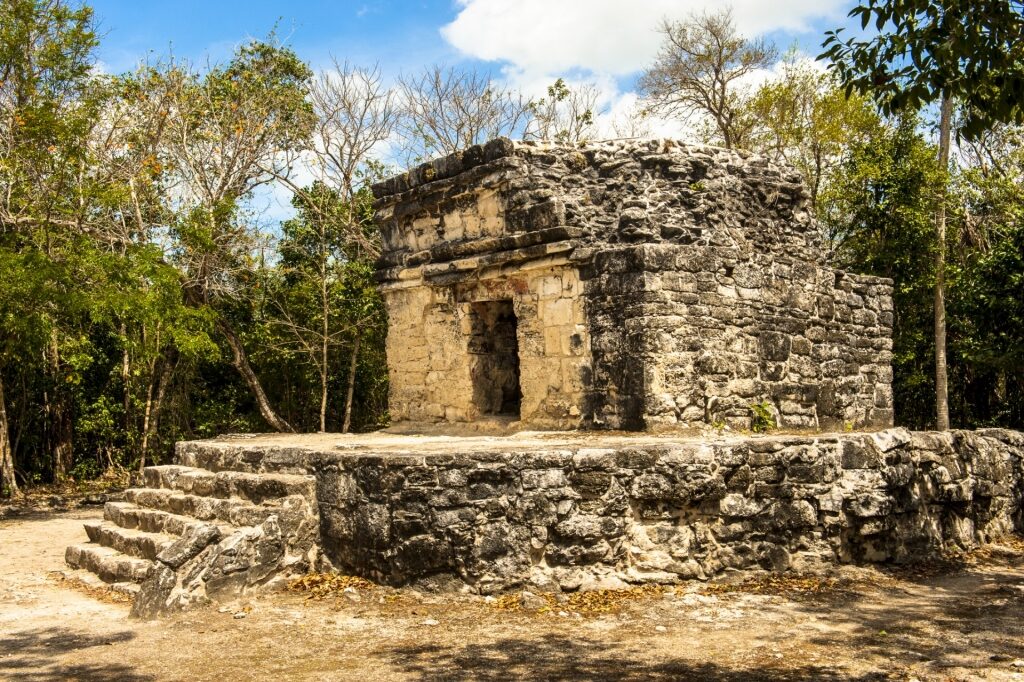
(236, 531)
(194, 540)
(155, 594)
(630, 284)
(653, 509)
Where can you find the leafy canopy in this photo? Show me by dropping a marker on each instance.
(967, 50)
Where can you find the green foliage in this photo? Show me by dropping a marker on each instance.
(762, 418)
(104, 225)
(971, 51)
(987, 283)
(325, 305)
(128, 239)
(807, 120)
(878, 217)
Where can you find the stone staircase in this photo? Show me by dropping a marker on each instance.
(193, 535)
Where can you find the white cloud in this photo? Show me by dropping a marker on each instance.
(616, 37)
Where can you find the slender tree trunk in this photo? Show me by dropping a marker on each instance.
(324, 348)
(147, 411)
(351, 384)
(22, 419)
(146, 415)
(941, 380)
(8, 483)
(241, 362)
(60, 416)
(153, 408)
(126, 374)
(323, 390)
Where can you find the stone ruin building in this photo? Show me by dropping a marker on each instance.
(625, 285)
(630, 285)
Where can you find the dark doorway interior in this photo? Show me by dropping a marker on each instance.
(494, 352)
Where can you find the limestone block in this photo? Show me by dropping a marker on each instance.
(549, 286)
(557, 312)
(553, 340)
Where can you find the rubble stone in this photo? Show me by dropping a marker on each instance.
(650, 509)
(630, 284)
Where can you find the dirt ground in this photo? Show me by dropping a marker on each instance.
(948, 621)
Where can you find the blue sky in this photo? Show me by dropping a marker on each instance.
(527, 39)
(396, 34)
(525, 43)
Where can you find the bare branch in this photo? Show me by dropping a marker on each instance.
(700, 68)
(447, 109)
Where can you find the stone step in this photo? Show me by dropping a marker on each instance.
(238, 457)
(129, 541)
(255, 488)
(128, 515)
(92, 581)
(108, 564)
(234, 512)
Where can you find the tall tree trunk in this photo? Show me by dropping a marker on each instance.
(147, 414)
(941, 380)
(151, 422)
(8, 483)
(241, 363)
(60, 415)
(22, 419)
(126, 373)
(323, 389)
(351, 384)
(324, 348)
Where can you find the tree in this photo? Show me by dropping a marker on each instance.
(448, 109)
(235, 128)
(700, 70)
(355, 114)
(877, 213)
(128, 236)
(46, 112)
(805, 119)
(566, 115)
(986, 267)
(325, 295)
(942, 51)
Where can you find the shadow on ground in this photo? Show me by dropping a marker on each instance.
(31, 655)
(19, 515)
(556, 657)
(970, 620)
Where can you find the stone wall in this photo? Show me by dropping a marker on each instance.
(654, 284)
(433, 359)
(685, 334)
(651, 510)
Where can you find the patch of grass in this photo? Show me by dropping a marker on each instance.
(762, 419)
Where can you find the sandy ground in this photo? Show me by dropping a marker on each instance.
(963, 622)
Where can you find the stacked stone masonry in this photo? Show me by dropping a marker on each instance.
(574, 514)
(192, 535)
(653, 284)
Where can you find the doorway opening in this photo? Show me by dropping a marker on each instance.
(494, 358)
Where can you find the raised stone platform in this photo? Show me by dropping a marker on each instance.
(571, 510)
